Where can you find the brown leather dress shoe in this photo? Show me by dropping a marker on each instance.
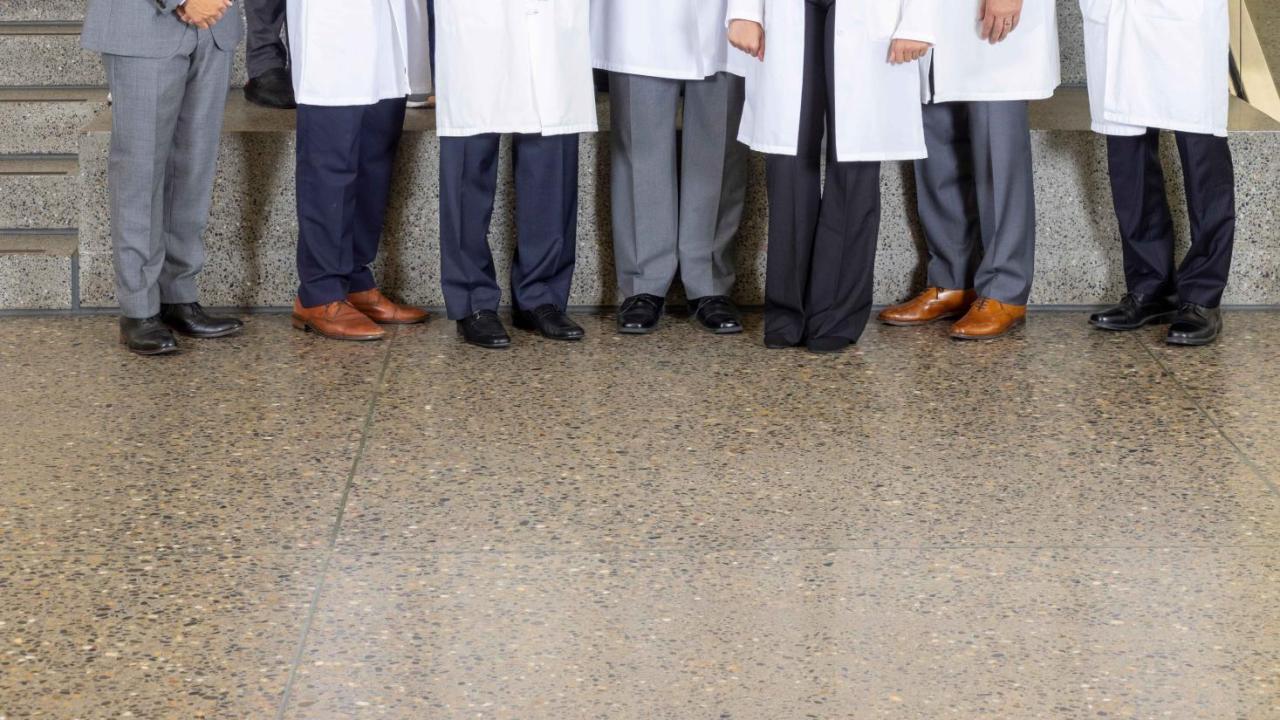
(930, 305)
(380, 309)
(337, 321)
(988, 319)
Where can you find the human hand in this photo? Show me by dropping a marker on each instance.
(747, 36)
(905, 51)
(203, 14)
(999, 19)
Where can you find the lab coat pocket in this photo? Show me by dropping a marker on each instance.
(1097, 11)
(878, 18)
(1182, 10)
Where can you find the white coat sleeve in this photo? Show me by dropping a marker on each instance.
(918, 21)
(744, 10)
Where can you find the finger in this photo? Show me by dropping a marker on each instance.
(988, 25)
(760, 55)
(1017, 20)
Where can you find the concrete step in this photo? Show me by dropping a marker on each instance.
(46, 119)
(38, 268)
(39, 191)
(35, 54)
(42, 10)
(253, 229)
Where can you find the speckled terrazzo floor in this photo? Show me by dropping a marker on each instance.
(1068, 524)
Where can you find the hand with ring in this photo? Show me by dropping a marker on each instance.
(999, 19)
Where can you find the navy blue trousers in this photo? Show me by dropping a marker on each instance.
(345, 159)
(546, 178)
(1146, 224)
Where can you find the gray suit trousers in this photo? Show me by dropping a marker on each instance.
(676, 208)
(165, 126)
(977, 198)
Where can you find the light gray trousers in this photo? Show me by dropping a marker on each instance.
(977, 198)
(166, 118)
(676, 210)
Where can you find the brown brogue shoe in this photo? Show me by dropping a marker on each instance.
(337, 321)
(930, 305)
(382, 310)
(988, 319)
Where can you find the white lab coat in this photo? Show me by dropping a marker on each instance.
(1158, 64)
(348, 52)
(877, 105)
(419, 35)
(674, 39)
(965, 68)
(514, 66)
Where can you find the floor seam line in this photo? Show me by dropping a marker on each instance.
(1249, 462)
(316, 595)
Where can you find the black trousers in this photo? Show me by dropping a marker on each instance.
(264, 43)
(1146, 224)
(822, 242)
(345, 160)
(546, 178)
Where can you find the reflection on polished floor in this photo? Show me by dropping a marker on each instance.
(1069, 524)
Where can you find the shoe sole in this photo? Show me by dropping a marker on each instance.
(1188, 342)
(531, 328)
(400, 322)
(1164, 319)
(208, 336)
(715, 331)
(303, 325)
(978, 338)
(256, 99)
(919, 323)
(637, 331)
(149, 353)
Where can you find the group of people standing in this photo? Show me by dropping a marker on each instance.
(826, 89)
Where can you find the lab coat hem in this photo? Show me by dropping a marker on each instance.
(1003, 96)
(524, 130)
(664, 74)
(1165, 124)
(344, 101)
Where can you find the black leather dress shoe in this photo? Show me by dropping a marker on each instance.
(191, 320)
(640, 314)
(717, 314)
(549, 321)
(484, 329)
(1195, 325)
(1135, 311)
(272, 89)
(147, 336)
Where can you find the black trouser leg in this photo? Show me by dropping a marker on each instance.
(380, 137)
(546, 175)
(1210, 179)
(795, 196)
(264, 42)
(1142, 209)
(468, 182)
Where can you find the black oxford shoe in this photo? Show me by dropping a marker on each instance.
(147, 336)
(640, 314)
(484, 329)
(191, 320)
(272, 89)
(549, 321)
(1135, 311)
(1195, 325)
(716, 314)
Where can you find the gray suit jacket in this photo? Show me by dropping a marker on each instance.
(148, 28)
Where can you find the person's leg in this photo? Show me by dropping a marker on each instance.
(468, 182)
(148, 96)
(1209, 174)
(1142, 210)
(713, 184)
(946, 199)
(328, 162)
(191, 170)
(795, 197)
(546, 175)
(380, 133)
(264, 42)
(1005, 185)
(842, 273)
(645, 185)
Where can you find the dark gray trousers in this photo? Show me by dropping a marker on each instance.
(676, 204)
(822, 241)
(977, 198)
(264, 46)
